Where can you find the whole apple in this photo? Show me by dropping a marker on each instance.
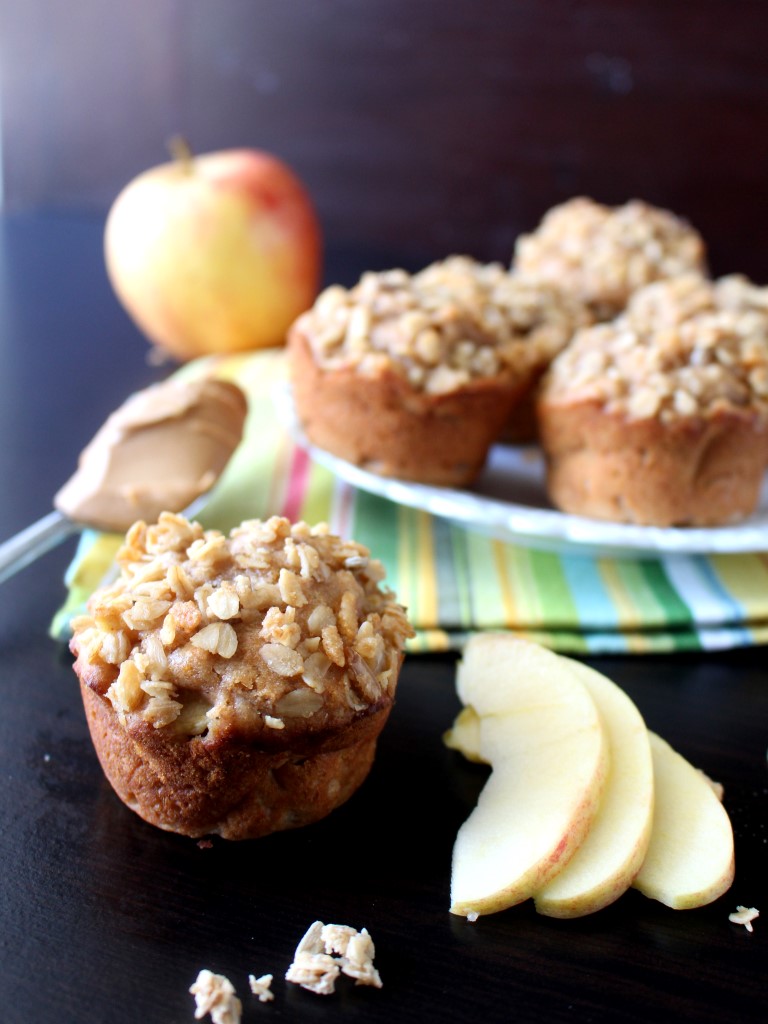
(214, 253)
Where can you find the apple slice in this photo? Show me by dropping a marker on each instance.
(542, 735)
(464, 735)
(612, 853)
(690, 857)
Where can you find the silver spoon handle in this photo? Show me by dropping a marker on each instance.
(34, 541)
(29, 544)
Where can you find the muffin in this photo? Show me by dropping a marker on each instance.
(236, 685)
(546, 318)
(414, 376)
(603, 254)
(661, 417)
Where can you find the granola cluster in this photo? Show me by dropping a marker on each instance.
(603, 254)
(215, 996)
(328, 950)
(453, 322)
(684, 347)
(276, 625)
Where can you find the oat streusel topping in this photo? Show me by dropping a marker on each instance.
(455, 321)
(273, 626)
(603, 254)
(684, 347)
(668, 303)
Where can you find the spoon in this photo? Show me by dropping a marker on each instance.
(162, 450)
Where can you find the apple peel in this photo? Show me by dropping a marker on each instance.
(214, 253)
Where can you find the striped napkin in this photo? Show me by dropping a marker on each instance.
(455, 581)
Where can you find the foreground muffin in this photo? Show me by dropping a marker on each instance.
(661, 417)
(604, 254)
(414, 376)
(237, 685)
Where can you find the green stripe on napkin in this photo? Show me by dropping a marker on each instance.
(455, 581)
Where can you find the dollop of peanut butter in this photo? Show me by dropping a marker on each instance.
(162, 449)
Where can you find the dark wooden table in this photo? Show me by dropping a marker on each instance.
(105, 919)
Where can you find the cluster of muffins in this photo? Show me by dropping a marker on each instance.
(605, 341)
(236, 685)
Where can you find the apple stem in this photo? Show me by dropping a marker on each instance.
(181, 152)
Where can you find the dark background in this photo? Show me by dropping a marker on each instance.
(421, 127)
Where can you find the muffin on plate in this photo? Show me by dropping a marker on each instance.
(236, 685)
(546, 317)
(414, 376)
(661, 417)
(603, 254)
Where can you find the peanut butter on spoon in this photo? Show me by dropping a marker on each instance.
(160, 451)
(164, 447)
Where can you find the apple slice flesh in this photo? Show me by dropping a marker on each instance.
(690, 859)
(464, 735)
(612, 853)
(542, 735)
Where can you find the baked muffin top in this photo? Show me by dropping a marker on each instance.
(684, 347)
(272, 631)
(456, 321)
(603, 254)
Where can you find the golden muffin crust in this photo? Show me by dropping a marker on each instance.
(603, 254)
(230, 657)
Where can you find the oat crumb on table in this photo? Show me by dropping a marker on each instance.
(215, 995)
(261, 987)
(745, 916)
(316, 968)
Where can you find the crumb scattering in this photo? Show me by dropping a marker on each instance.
(215, 995)
(325, 951)
(745, 916)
